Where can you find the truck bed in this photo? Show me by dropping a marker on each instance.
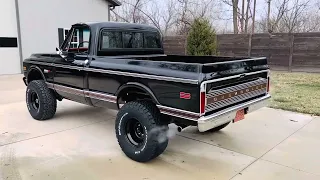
(220, 76)
(191, 59)
(201, 68)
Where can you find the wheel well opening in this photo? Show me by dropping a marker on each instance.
(133, 94)
(34, 74)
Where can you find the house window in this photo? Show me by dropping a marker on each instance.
(75, 38)
(63, 33)
(8, 42)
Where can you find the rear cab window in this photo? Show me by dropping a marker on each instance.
(111, 39)
(152, 40)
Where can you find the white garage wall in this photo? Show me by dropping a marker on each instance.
(9, 56)
(40, 20)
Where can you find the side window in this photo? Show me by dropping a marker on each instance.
(74, 38)
(152, 40)
(111, 40)
(132, 40)
(84, 38)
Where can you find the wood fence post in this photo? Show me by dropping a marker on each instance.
(250, 45)
(291, 51)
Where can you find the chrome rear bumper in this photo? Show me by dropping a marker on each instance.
(206, 123)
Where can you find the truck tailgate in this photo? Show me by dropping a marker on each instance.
(226, 84)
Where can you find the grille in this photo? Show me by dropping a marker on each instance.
(230, 95)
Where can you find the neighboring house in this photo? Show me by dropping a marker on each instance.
(31, 26)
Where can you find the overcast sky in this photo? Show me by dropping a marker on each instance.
(222, 13)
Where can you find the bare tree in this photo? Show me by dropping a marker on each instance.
(247, 16)
(189, 10)
(289, 16)
(168, 16)
(235, 11)
(242, 16)
(293, 18)
(130, 11)
(171, 17)
(254, 16)
(235, 15)
(269, 11)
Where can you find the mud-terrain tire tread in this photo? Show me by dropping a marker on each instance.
(47, 99)
(150, 119)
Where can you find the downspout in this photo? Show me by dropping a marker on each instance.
(19, 34)
(111, 8)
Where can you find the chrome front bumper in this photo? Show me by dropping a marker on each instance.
(206, 123)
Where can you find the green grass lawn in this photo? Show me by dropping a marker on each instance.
(298, 92)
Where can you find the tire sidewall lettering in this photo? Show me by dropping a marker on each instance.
(146, 141)
(120, 123)
(27, 97)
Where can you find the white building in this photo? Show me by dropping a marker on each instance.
(31, 26)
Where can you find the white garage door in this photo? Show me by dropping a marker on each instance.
(9, 51)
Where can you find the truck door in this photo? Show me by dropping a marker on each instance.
(69, 71)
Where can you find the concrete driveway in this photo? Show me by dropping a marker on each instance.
(79, 143)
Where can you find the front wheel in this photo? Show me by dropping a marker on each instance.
(40, 100)
(138, 131)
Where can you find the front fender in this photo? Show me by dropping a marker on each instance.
(35, 68)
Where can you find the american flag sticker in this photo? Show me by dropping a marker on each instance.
(184, 95)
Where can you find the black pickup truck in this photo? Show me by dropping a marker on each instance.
(122, 66)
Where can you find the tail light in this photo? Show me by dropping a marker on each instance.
(202, 102)
(268, 85)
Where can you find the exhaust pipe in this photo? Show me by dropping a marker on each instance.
(181, 128)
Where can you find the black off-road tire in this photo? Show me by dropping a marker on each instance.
(155, 140)
(219, 127)
(47, 101)
(163, 144)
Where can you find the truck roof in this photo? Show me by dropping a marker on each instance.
(122, 25)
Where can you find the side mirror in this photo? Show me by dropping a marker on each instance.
(68, 56)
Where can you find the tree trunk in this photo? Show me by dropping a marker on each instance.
(254, 15)
(242, 17)
(235, 16)
(268, 18)
(247, 16)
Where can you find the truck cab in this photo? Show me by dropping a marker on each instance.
(113, 39)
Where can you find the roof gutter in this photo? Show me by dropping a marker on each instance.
(114, 3)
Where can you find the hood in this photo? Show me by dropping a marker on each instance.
(43, 57)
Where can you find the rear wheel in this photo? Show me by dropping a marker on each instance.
(40, 100)
(138, 131)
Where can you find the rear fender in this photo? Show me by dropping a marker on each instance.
(139, 86)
